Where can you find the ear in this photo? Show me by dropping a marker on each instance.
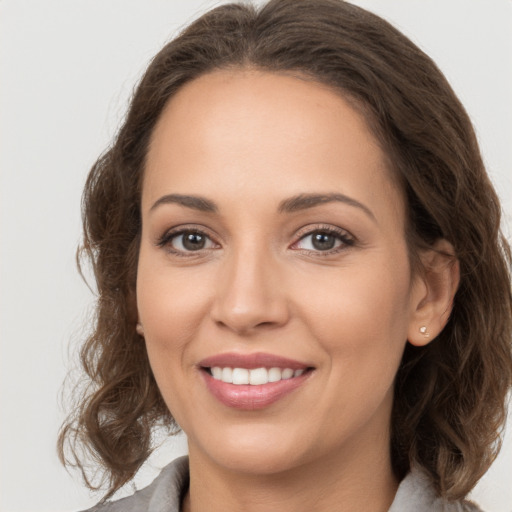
(139, 329)
(433, 292)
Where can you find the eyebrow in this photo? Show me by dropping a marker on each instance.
(305, 201)
(195, 202)
(293, 204)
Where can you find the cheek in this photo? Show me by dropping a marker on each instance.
(361, 313)
(360, 321)
(170, 302)
(171, 308)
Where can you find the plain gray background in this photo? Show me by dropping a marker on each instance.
(67, 69)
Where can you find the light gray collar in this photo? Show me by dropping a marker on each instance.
(416, 493)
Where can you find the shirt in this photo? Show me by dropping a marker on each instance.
(415, 493)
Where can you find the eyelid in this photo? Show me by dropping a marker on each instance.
(347, 239)
(164, 241)
(330, 228)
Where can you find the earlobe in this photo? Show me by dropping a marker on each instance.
(139, 329)
(433, 300)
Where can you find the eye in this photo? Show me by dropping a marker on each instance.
(186, 241)
(324, 240)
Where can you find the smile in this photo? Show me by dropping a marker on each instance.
(252, 381)
(255, 376)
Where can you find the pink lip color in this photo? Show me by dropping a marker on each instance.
(251, 361)
(246, 396)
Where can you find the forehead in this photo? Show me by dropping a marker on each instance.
(280, 133)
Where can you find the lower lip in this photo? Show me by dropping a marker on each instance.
(250, 397)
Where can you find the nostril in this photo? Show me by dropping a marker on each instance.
(265, 324)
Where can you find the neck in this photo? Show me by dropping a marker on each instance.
(357, 479)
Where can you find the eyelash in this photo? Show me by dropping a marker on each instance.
(346, 239)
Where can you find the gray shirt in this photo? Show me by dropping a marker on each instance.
(415, 494)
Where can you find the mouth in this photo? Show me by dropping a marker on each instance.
(253, 381)
(253, 376)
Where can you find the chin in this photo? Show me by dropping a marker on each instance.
(253, 451)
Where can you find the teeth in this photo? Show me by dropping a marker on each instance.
(255, 377)
(274, 374)
(258, 376)
(287, 373)
(240, 376)
(226, 375)
(217, 372)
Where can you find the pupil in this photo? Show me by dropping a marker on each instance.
(193, 241)
(323, 241)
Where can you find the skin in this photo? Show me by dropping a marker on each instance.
(248, 140)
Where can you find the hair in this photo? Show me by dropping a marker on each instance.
(450, 396)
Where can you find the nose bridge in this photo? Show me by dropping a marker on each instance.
(249, 292)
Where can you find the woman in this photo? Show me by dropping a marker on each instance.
(299, 262)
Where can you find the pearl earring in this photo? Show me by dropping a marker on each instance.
(139, 329)
(424, 331)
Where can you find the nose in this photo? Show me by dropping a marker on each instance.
(250, 296)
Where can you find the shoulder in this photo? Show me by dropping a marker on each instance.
(417, 493)
(163, 494)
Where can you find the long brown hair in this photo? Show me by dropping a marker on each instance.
(450, 396)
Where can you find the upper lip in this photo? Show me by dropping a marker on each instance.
(251, 361)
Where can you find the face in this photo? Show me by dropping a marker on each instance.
(272, 256)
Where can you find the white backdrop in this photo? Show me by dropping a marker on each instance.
(67, 68)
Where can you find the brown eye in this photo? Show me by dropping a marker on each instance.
(193, 241)
(189, 241)
(323, 240)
